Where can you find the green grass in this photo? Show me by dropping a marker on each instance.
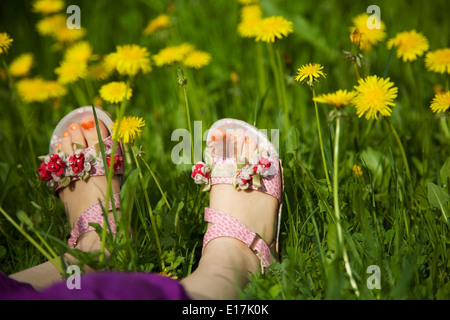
(401, 226)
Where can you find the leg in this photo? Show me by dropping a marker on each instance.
(227, 263)
(90, 191)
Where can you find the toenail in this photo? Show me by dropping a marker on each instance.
(73, 126)
(88, 125)
(66, 134)
(247, 139)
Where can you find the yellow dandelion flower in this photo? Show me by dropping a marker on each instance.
(115, 92)
(310, 73)
(409, 44)
(367, 37)
(48, 25)
(355, 36)
(251, 17)
(251, 12)
(357, 171)
(167, 273)
(197, 59)
(247, 2)
(21, 65)
(185, 48)
(438, 61)
(5, 42)
(67, 36)
(249, 28)
(441, 102)
(130, 59)
(234, 77)
(69, 72)
(56, 27)
(100, 70)
(130, 129)
(79, 52)
(338, 99)
(54, 89)
(48, 6)
(32, 90)
(375, 95)
(172, 54)
(160, 22)
(273, 27)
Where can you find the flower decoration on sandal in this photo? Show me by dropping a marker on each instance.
(59, 169)
(201, 174)
(251, 173)
(248, 173)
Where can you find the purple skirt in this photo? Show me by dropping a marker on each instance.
(99, 286)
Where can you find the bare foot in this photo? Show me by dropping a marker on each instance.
(81, 194)
(226, 262)
(76, 197)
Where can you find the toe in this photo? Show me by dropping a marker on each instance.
(217, 142)
(237, 145)
(89, 130)
(71, 137)
(249, 147)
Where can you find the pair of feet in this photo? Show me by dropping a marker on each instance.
(226, 262)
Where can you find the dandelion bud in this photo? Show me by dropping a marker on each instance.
(355, 36)
(182, 80)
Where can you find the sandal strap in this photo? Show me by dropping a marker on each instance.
(94, 214)
(227, 226)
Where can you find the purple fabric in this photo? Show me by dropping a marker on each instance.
(99, 286)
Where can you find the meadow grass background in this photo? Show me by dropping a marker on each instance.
(388, 221)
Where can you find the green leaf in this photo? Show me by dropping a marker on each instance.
(438, 197)
(292, 140)
(445, 171)
(2, 251)
(64, 181)
(23, 217)
(332, 237)
(128, 192)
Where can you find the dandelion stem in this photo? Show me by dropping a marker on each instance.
(337, 212)
(157, 184)
(325, 168)
(182, 82)
(402, 150)
(355, 66)
(276, 75)
(283, 88)
(108, 184)
(260, 68)
(444, 126)
(388, 63)
(109, 194)
(189, 124)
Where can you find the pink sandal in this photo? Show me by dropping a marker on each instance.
(59, 169)
(262, 172)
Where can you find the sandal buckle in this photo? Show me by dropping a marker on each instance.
(254, 242)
